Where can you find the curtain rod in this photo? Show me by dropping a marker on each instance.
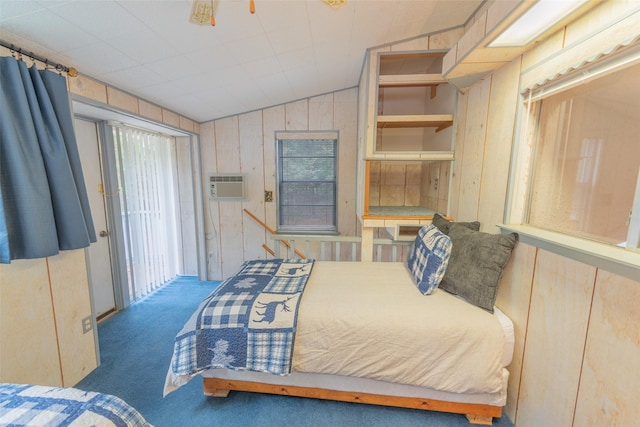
(71, 72)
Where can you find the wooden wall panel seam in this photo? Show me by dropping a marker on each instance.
(526, 328)
(484, 145)
(239, 117)
(265, 234)
(55, 322)
(584, 347)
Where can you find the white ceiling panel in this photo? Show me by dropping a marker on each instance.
(139, 76)
(100, 56)
(287, 50)
(48, 31)
(114, 19)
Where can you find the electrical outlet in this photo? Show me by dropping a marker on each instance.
(86, 324)
(268, 196)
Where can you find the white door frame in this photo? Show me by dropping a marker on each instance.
(101, 113)
(100, 275)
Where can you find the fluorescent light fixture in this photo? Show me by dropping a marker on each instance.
(539, 18)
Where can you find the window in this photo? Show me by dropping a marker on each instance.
(585, 173)
(307, 165)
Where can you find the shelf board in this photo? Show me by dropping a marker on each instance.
(410, 80)
(410, 156)
(438, 121)
(398, 217)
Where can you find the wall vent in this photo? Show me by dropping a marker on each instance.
(226, 187)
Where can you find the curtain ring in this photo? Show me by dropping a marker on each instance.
(16, 53)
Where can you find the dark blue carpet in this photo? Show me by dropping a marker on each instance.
(135, 350)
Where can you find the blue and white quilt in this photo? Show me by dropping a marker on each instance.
(247, 323)
(34, 405)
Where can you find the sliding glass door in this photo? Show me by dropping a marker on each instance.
(147, 181)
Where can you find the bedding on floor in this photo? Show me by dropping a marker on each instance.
(35, 405)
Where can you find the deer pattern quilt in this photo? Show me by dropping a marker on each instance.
(247, 323)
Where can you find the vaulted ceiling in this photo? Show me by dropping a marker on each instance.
(287, 50)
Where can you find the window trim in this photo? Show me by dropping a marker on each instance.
(296, 135)
(624, 262)
(618, 260)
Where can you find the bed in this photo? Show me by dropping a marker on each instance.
(364, 332)
(36, 405)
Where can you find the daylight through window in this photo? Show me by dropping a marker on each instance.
(307, 182)
(587, 160)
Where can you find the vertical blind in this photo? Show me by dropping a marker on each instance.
(146, 168)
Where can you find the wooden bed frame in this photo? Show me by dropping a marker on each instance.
(475, 413)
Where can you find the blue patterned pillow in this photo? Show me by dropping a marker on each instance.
(429, 258)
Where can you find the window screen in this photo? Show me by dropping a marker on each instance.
(307, 184)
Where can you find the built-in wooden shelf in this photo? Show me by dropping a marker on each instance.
(413, 214)
(409, 103)
(411, 80)
(438, 121)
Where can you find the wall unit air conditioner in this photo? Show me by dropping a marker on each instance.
(226, 187)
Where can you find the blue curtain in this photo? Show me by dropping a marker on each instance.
(43, 205)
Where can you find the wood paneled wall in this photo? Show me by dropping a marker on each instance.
(577, 353)
(42, 304)
(398, 183)
(435, 186)
(246, 144)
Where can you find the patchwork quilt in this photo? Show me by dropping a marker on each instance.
(34, 405)
(247, 323)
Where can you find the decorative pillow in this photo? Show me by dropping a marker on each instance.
(429, 258)
(476, 264)
(444, 224)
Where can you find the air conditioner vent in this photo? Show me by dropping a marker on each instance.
(226, 187)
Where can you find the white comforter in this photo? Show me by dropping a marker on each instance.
(369, 320)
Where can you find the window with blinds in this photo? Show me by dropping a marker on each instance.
(146, 168)
(307, 182)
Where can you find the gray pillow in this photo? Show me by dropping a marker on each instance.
(476, 264)
(444, 224)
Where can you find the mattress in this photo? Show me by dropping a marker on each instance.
(369, 320)
(509, 336)
(366, 327)
(334, 280)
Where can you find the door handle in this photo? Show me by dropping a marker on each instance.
(104, 233)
